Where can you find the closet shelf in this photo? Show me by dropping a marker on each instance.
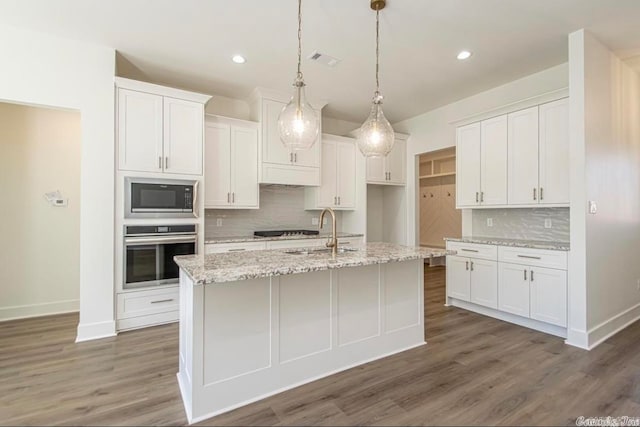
(437, 175)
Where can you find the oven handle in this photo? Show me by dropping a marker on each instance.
(152, 240)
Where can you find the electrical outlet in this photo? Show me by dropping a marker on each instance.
(593, 207)
(547, 223)
(638, 285)
(314, 220)
(219, 222)
(489, 222)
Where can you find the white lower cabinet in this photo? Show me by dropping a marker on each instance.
(548, 291)
(472, 280)
(484, 289)
(147, 307)
(523, 284)
(513, 289)
(458, 278)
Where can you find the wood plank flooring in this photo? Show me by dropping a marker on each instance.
(474, 371)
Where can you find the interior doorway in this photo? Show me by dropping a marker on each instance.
(438, 217)
(40, 220)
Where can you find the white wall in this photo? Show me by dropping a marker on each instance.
(433, 130)
(43, 70)
(39, 152)
(605, 102)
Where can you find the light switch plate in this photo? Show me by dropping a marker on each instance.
(593, 207)
(219, 222)
(547, 223)
(489, 222)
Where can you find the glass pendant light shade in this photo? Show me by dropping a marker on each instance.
(376, 136)
(298, 122)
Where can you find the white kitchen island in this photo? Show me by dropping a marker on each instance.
(253, 324)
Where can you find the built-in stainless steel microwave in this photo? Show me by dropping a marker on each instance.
(160, 198)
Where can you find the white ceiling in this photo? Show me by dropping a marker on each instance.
(189, 43)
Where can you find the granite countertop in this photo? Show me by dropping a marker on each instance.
(244, 239)
(518, 243)
(229, 267)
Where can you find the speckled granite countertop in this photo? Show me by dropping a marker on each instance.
(244, 239)
(229, 267)
(518, 243)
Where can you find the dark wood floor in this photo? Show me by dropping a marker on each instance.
(474, 370)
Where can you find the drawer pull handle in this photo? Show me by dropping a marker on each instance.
(162, 300)
(466, 265)
(471, 265)
(525, 275)
(532, 275)
(529, 257)
(237, 250)
(469, 250)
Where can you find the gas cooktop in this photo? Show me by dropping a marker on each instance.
(279, 233)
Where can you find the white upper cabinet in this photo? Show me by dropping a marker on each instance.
(523, 157)
(183, 129)
(278, 164)
(338, 188)
(159, 129)
(231, 164)
(493, 161)
(468, 165)
(554, 153)
(391, 169)
(517, 159)
(481, 163)
(139, 131)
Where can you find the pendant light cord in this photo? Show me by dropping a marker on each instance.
(299, 75)
(377, 51)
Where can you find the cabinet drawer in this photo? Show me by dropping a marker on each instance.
(216, 248)
(292, 244)
(144, 303)
(533, 257)
(474, 250)
(353, 242)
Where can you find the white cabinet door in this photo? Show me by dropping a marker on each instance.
(327, 192)
(554, 152)
(244, 167)
(458, 278)
(346, 161)
(376, 172)
(493, 161)
(139, 131)
(395, 163)
(523, 157)
(513, 288)
(549, 295)
(484, 282)
(273, 150)
(468, 165)
(183, 127)
(217, 168)
(310, 157)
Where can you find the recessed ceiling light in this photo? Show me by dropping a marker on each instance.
(465, 54)
(239, 59)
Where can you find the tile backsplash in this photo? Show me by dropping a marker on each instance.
(281, 207)
(521, 223)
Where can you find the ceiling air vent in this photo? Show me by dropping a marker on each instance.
(324, 59)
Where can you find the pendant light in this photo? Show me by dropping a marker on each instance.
(298, 122)
(376, 137)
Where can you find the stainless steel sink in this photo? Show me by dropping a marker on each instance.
(317, 251)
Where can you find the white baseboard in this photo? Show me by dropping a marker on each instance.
(577, 338)
(610, 327)
(94, 331)
(37, 310)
